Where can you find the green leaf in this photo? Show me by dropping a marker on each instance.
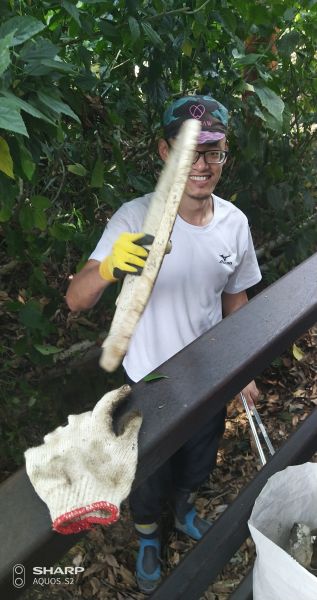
(288, 42)
(5, 210)
(271, 101)
(140, 183)
(6, 41)
(246, 59)
(36, 68)
(21, 346)
(57, 105)
(187, 48)
(38, 49)
(17, 103)
(40, 220)
(26, 217)
(27, 163)
(97, 176)
(47, 350)
(40, 202)
(22, 28)
(6, 162)
(152, 35)
(31, 315)
(291, 12)
(72, 11)
(109, 31)
(134, 28)
(154, 376)
(32, 401)
(63, 232)
(11, 120)
(5, 59)
(77, 169)
(269, 120)
(8, 192)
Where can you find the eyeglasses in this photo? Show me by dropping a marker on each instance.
(211, 157)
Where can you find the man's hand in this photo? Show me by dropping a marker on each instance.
(251, 393)
(128, 255)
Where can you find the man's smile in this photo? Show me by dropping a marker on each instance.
(199, 177)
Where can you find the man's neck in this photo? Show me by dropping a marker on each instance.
(196, 212)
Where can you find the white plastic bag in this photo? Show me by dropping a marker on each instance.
(289, 497)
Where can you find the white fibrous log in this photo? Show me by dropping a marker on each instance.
(159, 222)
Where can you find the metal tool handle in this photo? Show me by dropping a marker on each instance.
(263, 430)
(253, 429)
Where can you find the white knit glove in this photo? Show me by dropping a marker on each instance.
(83, 471)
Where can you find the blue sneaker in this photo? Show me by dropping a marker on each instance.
(192, 525)
(148, 567)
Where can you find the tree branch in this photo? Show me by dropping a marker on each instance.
(178, 11)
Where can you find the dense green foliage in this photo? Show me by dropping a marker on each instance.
(82, 89)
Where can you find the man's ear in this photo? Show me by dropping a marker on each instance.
(163, 149)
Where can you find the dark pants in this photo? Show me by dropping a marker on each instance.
(187, 469)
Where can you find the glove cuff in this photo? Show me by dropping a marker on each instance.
(105, 272)
(85, 502)
(85, 517)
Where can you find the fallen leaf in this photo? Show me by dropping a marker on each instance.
(94, 568)
(174, 560)
(272, 398)
(297, 353)
(296, 406)
(95, 584)
(78, 559)
(127, 577)
(111, 560)
(178, 545)
(300, 393)
(221, 508)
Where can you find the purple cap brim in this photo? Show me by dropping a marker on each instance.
(210, 136)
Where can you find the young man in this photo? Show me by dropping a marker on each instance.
(203, 279)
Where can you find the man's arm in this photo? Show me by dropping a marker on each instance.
(128, 255)
(230, 303)
(86, 287)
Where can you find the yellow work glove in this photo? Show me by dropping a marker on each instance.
(128, 255)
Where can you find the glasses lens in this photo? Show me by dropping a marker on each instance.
(211, 156)
(215, 156)
(196, 156)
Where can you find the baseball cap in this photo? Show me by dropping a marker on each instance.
(212, 115)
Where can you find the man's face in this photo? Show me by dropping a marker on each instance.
(203, 176)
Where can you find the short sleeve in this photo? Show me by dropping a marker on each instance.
(247, 273)
(129, 217)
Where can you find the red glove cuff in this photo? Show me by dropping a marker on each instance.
(72, 521)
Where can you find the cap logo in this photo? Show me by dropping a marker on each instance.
(197, 110)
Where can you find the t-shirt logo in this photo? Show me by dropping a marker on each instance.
(224, 259)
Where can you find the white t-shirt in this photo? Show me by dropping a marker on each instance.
(186, 298)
